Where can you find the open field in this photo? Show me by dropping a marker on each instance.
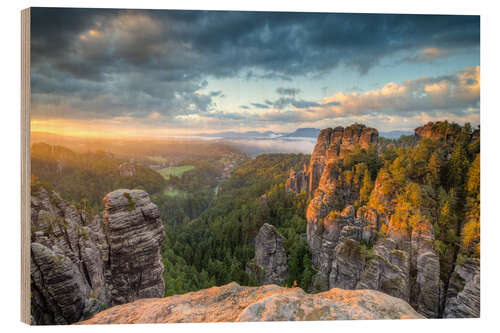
(175, 171)
(158, 159)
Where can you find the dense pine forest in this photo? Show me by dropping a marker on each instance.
(214, 248)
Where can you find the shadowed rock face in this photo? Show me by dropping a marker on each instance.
(81, 265)
(270, 256)
(337, 253)
(463, 295)
(232, 303)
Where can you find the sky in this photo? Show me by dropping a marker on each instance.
(104, 72)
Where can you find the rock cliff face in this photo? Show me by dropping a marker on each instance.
(332, 144)
(269, 265)
(463, 295)
(81, 265)
(440, 131)
(400, 264)
(298, 181)
(343, 242)
(235, 303)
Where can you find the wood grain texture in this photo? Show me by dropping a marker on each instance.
(25, 165)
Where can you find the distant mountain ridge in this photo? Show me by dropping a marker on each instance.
(303, 132)
(395, 134)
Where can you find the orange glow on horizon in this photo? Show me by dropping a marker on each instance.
(93, 129)
(114, 129)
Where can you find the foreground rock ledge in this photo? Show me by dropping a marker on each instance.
(233, 302)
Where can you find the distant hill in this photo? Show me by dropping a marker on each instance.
(394, 134)
(304, 133)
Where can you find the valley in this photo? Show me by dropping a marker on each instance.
(397, 216)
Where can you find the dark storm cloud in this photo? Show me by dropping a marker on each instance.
(110, 62)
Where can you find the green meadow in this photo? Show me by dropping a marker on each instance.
(175, 171)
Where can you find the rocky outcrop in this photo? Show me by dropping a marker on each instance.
(365, 249)
(270, 264)
(297, 181)
(80, 265)
(342, 251)
(463, 295)
(387, 270)
(135, 233)
(438, 131)
(332, 145)
(127, 169)
(427, 289)
(234, 303)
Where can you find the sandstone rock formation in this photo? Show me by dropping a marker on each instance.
(127, 169)
(440, 131)
(403, 263)
(81, 265)
(337, 247)
(270, 264)
(298, 181)
(235, 303)
(332, 144)
(463, 295)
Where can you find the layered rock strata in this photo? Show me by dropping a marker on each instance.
(332, 144)
(463, 294)
(270, 264)
(349, 248)
(80, 265)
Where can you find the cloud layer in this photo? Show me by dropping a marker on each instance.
(155, 65)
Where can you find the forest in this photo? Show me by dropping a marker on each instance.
(85, 178)
(211, 222)
(437, 180)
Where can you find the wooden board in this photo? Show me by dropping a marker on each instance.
(25, 166)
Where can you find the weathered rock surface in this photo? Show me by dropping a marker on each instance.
(135, 233)
(403, 263)
(60, 293)
(270, 257)
(339, 245)
(81, 265)
(332, 144)
(232, 303)
(297, 181)
(441, 131)
(427, 289)
(463, 295)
